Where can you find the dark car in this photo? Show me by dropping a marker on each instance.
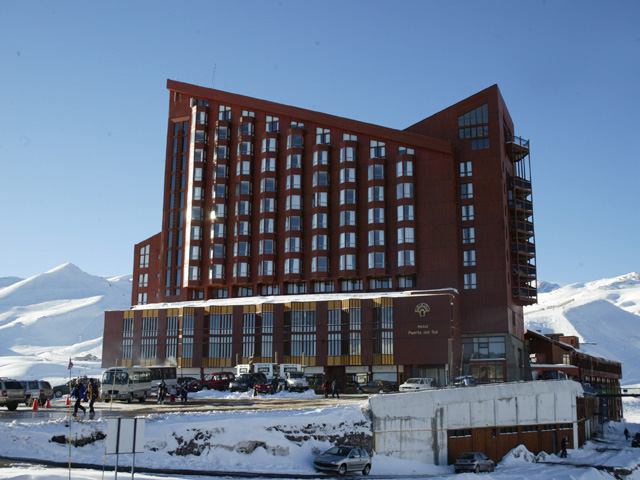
(377, 386)
(636, 440)
(246, 381)
(190, 382)
(465, 381)
(270, 387)
(344, 459)
(473, 462)
(214, 381)
(63, 389)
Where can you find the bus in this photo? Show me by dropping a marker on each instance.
(167, 374)
(126, 383)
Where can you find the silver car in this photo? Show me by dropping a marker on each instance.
(11, 393)
(473, 462)
(344, 459)
(37, 389)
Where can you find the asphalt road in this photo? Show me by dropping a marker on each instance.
(59, 409)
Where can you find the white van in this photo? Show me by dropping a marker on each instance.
(414, 384)
(126, 383)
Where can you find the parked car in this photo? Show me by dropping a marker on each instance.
(191, 383)
(246, 381)
(465, 381)
(12, 393)
(473, 462)
(414, 384)
(214, 381)
(344, 459)
(270, 387)
(636, 440)
(63, 389)
(377, 386)
(37, 389)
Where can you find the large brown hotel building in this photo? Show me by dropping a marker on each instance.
(360, 251)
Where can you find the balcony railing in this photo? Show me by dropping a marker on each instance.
(515, 140)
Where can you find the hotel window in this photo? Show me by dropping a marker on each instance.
(466, 169)
(347, 262)
(243, 228)
(220, 334)
(295, 124)
(265, 267)
(376, 260)
(376, 172)
(272, 124)
(376, 149)
(245, 148)
(319, 264)
(380, 284)
(348, 196)
(348, 240)
(469, 258)
(376, 215)
(293, 181)
(320, 242)
(143, 280)
(267, 185)
(243, 207)
(347, 175)
(319, 220)
(217, 251)
(196, 233)
(267, 225)
(293, 223)
(221, 171)
(349, 137)
(267, 247)
(194, 273)
(248, 113)
(404, 190)
(220, 191)
(405, 235)
(406, 258)
(199, 155)
(243, 188)
(201, 136)
(347, 154)
(195, 252)
(196, 214)
(241, 249)
(323, 136)
(269, 144)
(144, 256)
(294, 141)
(267, 205)
(347, 218)
(219, 210)
(405, 212)
(245, 128)
(469, 281)
(470, 125)
(323, 287)
(240, 269)
(243, 168)
(375, 194)
(405, 151)
(248, 334)
(294, 161)
(467, 212)
(268, 164)
(218, 230)
(469, 235)
(292, 244)
(351, 285)
(320, 157)
(466, 190)
(566, 359)
(376, 237)
(407, 281)
(221, 152)
(293, 202)
(320, 179)
(320, 199)
(197, 174)
(268, 290)
(292, 266)
(404, 168)
(224, 113)
(222, 133)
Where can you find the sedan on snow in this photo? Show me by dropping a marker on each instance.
(344, 459)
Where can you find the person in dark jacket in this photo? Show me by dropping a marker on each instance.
(626, 434)
(80, 392)
(162, 391)
(93, 393)
(563, 444)
(335, 387)
(325, 388)
(184, 392)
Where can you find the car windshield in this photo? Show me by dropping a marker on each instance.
(245, 377)
(466, 456)
(339, 451)
(118, 377)
(13, 385)
(295, 375)
(413, 380)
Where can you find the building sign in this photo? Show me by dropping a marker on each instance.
(422, 309)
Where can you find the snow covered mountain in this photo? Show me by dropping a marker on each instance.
(604, 314)
(48, 318)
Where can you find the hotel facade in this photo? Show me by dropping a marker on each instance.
(359, 251)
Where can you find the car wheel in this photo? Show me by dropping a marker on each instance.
(342, 470)
(143, 398)
(367, 469)
(130, 398)
(360, 390)
(12, 406)
(381, 390)
(477, 469)
(58, 394)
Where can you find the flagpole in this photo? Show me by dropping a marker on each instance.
(70, 366)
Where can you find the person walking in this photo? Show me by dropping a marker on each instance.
(563, 444)
(162, 391)
(184, 392)
(325, 388)
(626, 434)
(335, 387)
(94, 393)
(80, 392)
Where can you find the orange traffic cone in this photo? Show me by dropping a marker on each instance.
(35, 404)
(48, 405)
(68, 401)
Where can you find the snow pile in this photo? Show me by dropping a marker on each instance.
(604, 313)
(518, 455)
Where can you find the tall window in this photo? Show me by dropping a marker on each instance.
(348, 154)
(376, 149)
(248, 334)
(334, 327)
(144, 256)
(220, 333)
(469, 281)
(469, 235)
(467, 212)
(466, 190)
(469, 258)
(323, 135)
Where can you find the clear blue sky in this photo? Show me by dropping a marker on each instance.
(83, 108)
